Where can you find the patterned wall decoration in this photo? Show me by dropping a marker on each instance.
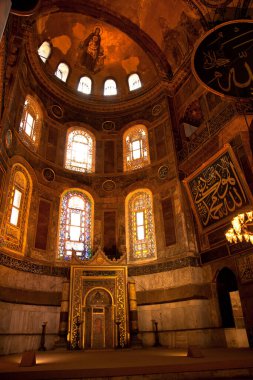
(245, 268)
(25, 265)
(217, 189)
(49, 270)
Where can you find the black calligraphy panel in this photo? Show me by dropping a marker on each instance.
(223, 60)
(217, 191)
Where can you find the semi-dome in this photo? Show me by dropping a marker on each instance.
(92, 48)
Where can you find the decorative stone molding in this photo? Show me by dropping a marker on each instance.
(57, 111)
(163, 172)
(48, 174)
(109, 185)
(108, 126)
(156, 110)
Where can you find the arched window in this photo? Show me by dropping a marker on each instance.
(135, 148)
(110, 87)
(141, 243)
(134, 82)
(76, 220)
(30, 124)
(84, 85)
(17, 206)
(44, 51)
(62, 71)
(80, 151)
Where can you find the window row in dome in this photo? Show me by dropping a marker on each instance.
(81, 143)
(76, 220)
(85, 82)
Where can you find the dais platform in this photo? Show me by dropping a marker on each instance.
(135, 364)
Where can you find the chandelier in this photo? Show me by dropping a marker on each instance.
(242, 228)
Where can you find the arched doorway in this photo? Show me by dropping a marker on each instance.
(226, 283)
(232, 319)
(99, 324)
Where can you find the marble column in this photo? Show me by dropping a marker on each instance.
(133, 316)
(63, 327)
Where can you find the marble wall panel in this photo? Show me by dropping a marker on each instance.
(20, 343)
(21, 326)
(192, 314)
(213, 337)
(24, 280)
(173, 278)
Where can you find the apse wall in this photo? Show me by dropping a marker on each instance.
(172, 287)
(35, 242)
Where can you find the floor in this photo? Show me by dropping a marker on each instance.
(135, 364)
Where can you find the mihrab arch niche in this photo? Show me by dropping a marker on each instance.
(98, 316)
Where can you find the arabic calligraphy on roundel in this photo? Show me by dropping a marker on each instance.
(232, 77)
(216, 59)
(219, 194)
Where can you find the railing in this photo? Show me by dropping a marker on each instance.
(211, 128)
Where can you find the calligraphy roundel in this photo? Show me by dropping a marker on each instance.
(223, 59)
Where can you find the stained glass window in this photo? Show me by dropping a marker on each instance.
(15, 209)
(62, 71)
(134, 82)
(110, 87)
(80, 151)
(84, 85)
(30, 124)
(140, 226)
(44, 51)
(135, 147)
(75, 230)
(15, 218)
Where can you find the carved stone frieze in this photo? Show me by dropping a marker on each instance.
(164, 266)
(29, 266)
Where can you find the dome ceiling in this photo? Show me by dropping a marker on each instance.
(145, 30)
(173, 24)
(94, 48)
